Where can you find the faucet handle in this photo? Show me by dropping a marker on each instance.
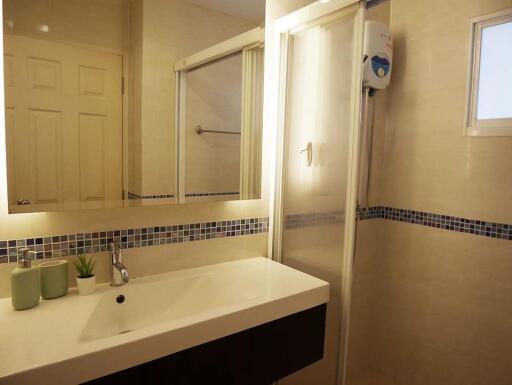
(115, 251)
(115, 246)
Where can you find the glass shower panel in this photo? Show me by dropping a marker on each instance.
(213, 102)
(318, 110)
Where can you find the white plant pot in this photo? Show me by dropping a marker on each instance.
(86, 285)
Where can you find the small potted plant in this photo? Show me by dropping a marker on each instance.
(85, 280)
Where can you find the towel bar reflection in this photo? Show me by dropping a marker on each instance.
(201, 130)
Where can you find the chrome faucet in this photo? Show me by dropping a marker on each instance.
(118, 272)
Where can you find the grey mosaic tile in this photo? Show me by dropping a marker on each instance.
(440, 221)
(147, 197)
(209, 194)
(73, 244)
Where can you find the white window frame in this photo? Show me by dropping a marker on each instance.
(487, 127)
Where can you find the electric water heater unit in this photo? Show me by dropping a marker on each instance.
(378, 55)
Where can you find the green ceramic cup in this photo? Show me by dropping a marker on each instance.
(54, 279)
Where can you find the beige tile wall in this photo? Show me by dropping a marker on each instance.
(429, 164)
(172, 30)
(363, 331)
(440, 308)
(101, 23)
(134, 140)
(432, 306)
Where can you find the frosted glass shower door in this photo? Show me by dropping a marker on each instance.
(320, 140)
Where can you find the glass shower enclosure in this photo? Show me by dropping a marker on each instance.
(320, 49)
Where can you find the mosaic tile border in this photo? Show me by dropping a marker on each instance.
(73, 244)
(162, 196)
(209, 194)
(440, 221)
(188, 195)
(369, 213)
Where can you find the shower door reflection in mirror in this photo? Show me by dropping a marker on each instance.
(220, 108)
(90, 100)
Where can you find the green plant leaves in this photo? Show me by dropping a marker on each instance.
(84, 266)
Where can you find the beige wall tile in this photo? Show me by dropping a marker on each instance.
(363, 331)
(429, 164)
(135, 99)
(442, 307)
(100, 23)
(430, 306)
(172, 30)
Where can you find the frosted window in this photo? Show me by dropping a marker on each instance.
(495, 84)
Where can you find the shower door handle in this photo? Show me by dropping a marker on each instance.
(309, 150)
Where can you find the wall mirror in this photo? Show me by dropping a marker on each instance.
(119, 103)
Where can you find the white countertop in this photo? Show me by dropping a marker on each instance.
(75, 338)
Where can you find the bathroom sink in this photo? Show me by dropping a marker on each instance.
(142, 305)
(149, 318)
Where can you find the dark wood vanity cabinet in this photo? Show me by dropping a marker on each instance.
(257, 356)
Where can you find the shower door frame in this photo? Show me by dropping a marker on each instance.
(247, 40)
(309, 16)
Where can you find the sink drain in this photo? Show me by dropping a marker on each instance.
(120, 298)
